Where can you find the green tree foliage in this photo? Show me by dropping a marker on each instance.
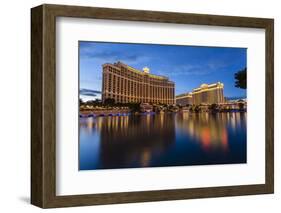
(241, 79)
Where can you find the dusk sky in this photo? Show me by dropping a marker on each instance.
(187, 66)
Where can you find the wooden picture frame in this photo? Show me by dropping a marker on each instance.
(43, 105)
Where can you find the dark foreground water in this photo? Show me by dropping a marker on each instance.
(162, 140)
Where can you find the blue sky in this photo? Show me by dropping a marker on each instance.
(187, 66)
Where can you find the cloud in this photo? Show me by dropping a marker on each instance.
(105, 55)
(89, 92)
(187, 70)
(214, 65)
(201, 69)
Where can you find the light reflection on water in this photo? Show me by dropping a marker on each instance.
(162, 140)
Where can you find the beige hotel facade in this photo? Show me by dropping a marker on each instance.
(126, 84)
(205, 94)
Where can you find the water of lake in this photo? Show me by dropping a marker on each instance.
(168, 139)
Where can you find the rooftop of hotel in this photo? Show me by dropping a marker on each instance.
(202, 87)
(188, 94)
(209, 86)
(145, 70)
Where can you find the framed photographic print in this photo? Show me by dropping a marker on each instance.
(135, 106)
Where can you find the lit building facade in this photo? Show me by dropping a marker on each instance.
(208, 94)
(184, 99)
(205, 94)
(125, 84)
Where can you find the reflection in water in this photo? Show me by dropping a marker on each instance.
(165, 139)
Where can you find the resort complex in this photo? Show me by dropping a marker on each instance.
(125, 84)
(126, 89)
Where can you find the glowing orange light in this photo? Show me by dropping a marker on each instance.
(224, 139)
(206, 138)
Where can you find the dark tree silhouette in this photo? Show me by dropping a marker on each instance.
(241, 79)
(213, 107)
(109, 101)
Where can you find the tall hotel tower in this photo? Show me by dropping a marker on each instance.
(125, 84)
(205, 94)
(208, 94)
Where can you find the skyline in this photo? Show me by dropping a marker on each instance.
(187, 66)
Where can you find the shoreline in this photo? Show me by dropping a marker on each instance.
(111, 113)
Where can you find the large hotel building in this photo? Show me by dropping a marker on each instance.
(125, 84)
(205, 94)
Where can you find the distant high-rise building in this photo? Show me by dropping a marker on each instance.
(205, 94)
(184, 99)
(208, 94)
(126, 84)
